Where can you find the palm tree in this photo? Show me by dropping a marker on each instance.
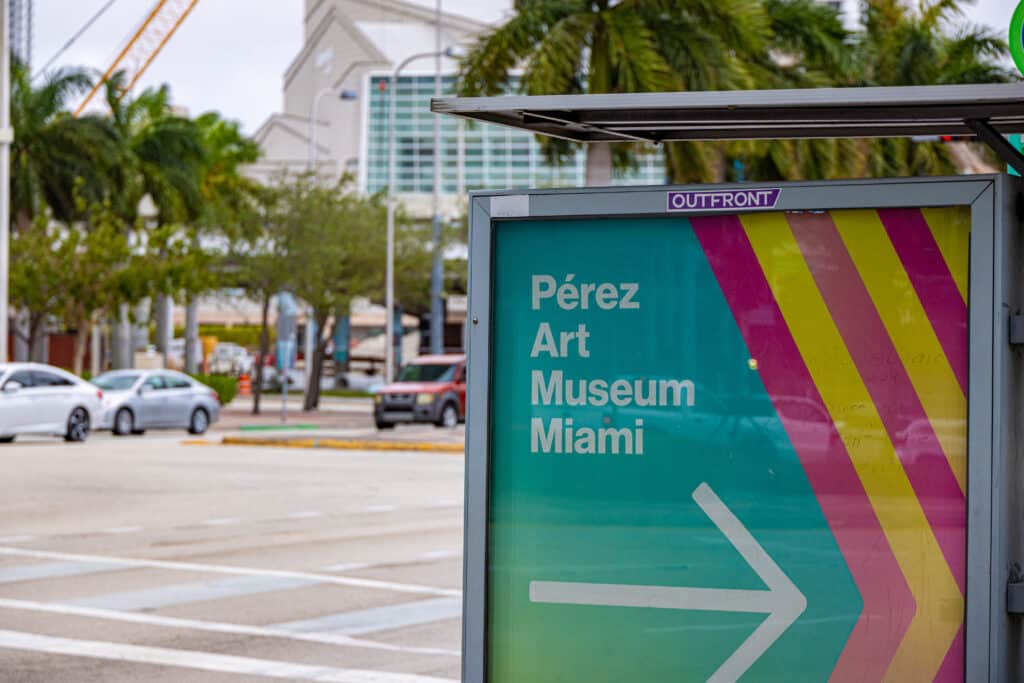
(55, 157)
(600, 46)
(903, 45)
(163, 151)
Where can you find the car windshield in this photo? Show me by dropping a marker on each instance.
(118, 382)
(427, 373)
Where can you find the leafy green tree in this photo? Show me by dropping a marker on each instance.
(99, 269)
(35, 283)
(55, 156)
(932, 43)
(333, 239)
(259, 262)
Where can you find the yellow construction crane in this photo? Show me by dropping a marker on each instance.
(143, 47)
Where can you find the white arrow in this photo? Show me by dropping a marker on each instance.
(782, 602)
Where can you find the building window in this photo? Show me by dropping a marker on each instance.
(493, 157)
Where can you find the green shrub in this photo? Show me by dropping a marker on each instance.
(225, 386)
(243, 335)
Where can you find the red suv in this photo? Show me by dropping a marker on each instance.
(428, 389)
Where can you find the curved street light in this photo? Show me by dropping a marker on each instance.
(389, 296)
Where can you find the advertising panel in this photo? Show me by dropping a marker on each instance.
(728, 446)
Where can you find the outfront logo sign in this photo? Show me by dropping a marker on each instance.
(724, 200)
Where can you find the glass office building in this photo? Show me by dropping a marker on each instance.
(473, 156)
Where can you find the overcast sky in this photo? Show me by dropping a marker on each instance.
(230, 55)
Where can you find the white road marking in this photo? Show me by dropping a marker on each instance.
(16, 539)
(201, 661)
(121, 530)
(305, 514)
(238, 571)
(378, 618)
(215, 627)
(221, 521)
(188, 593)
(347, 567)
(440, 554)
(381, 508)
(52, 570)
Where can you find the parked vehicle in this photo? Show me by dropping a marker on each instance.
(137, 400)
(428, 389)
(176, 354)
(42, 399)
(228, 358)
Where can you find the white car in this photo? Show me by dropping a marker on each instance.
(230, 359)
(42, 399)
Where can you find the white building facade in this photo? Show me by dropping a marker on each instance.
(354, 45)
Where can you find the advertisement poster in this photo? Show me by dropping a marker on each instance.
(729, 447)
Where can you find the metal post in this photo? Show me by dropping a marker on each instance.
(437, 270)
(389, 293)
(308, 349)
(6, 137)
(389, 276)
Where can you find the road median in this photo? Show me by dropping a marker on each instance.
(342, 444)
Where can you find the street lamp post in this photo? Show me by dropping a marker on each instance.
(389, 295)
(308, 347)
(437, 267)
(6, 137)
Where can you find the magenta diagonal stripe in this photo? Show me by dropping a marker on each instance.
(889, 606)
(929, 274)
(888, 383)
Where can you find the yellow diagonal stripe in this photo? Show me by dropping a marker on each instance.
(951, 228)
(939, 602)
(911, 332)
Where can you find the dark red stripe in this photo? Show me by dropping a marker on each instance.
(889, 606)
(888, 383)
(934, 284)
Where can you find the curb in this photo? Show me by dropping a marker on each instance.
(345, 444)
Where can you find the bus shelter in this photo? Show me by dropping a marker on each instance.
(758, 431)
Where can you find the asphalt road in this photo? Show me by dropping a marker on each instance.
(150, 560)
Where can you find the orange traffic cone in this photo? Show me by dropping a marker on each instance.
(244, 385)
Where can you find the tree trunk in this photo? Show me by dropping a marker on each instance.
(121, 336)
(21, 334)
(36, 322)
(191, 336)
(164, 315)
(599, 164)
(81, 339)
(317, 367)
(257, 389)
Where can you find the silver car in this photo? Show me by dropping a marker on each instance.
(137, 400)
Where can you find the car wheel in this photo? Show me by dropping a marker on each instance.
(6, 439)
(199, 422)
(384, 425)
(449, 416)
(78, 425)
(124, 422)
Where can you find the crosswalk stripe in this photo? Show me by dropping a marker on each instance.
(53, 570)
(187, 593)
(238, 571)
(157, 620)
(379, 618)
(201, 661)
